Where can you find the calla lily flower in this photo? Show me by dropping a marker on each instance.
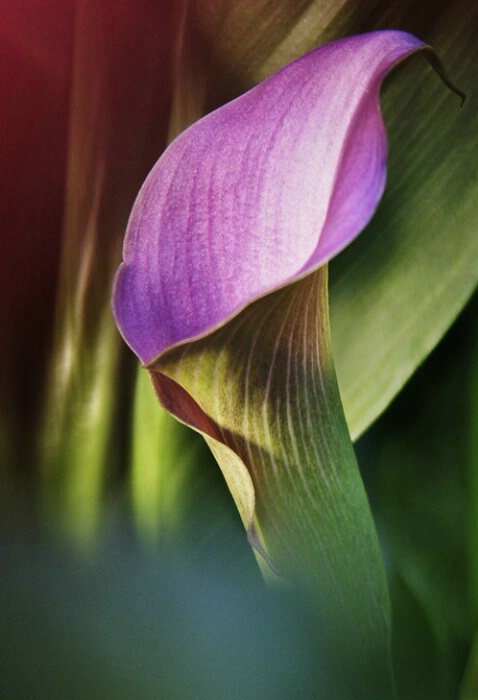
(254, 198)
(257, 195)
(222, 295)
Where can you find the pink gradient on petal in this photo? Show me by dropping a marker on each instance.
(258, 193)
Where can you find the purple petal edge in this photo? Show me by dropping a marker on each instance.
(257, 194)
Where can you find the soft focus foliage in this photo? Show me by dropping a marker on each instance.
(134, 628)
(90, 94)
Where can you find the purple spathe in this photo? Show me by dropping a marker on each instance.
(257, 194)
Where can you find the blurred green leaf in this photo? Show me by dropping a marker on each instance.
(420, 646)
(75, 451)
(473, 480)
(415, 462)
(161, 462)
(397, 289)
(469, 687)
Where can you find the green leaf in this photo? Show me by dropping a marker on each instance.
(397, 289)
(473, 483)
(155, 474)
(262, 390)
(164, 468)
(76, 456)
(417, 472)
(469, 687)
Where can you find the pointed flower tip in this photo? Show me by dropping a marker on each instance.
(257, 194)
(438, 67)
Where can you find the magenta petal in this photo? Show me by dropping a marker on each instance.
(258, 193)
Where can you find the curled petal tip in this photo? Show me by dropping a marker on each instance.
(438, 66)
(257, 194)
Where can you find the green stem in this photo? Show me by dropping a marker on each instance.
(263, 391)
